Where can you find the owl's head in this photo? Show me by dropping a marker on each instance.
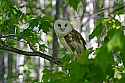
(62, 27)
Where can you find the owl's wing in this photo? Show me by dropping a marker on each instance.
(81, 39)
(76, 42)
(64, 43)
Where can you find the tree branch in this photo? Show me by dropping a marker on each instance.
(101, 12)
(6, 36)
(45, 56)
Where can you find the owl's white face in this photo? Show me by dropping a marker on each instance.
(62, 27)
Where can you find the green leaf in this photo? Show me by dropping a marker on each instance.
(54, 77)
(98, 30)
(28, 35)
(34, 22)
(100, 4)
(11, 42)
(45, 23)
(74, 3)
(46, 76)
(78, 72)
(116, 40)
(95, 73)
(104, 59)
(43, 47)
(120, 7)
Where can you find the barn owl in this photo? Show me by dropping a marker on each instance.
(69, 37)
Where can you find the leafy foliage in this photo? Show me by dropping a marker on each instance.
(73, 3)
(103, 68)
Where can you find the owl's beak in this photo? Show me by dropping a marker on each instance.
(62, 29)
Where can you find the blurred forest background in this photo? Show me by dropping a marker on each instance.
(30, 51)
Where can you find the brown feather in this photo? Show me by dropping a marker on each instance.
(76, 42)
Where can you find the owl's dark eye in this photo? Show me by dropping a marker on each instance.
(59, 25)
(65, 25)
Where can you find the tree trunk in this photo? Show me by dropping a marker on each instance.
(10, 67)
(55, 39)
(2, 68)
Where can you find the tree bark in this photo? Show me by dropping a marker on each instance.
(10, 67)
(55, 39)
(2, 68)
